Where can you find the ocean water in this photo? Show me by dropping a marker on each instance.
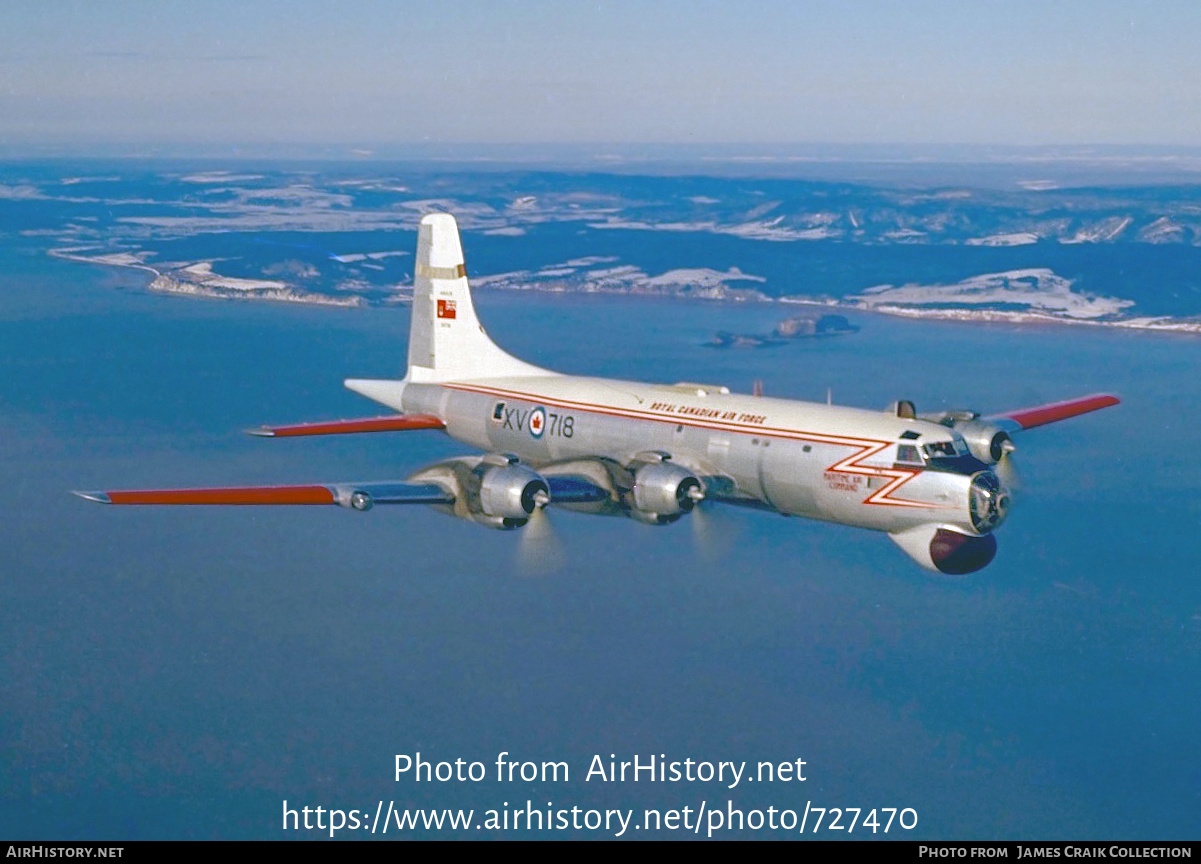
(180, 672)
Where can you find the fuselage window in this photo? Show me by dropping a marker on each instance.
(498, 413)
(908, 454)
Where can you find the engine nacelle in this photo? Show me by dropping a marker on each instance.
(987, 442)
(492, 490)
(663, 489)
(511, 491)
(945, 550)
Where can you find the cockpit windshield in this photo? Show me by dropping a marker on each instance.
(946, 449)
(940, 449)
(953, 455)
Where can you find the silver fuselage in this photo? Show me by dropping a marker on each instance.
(797, 458)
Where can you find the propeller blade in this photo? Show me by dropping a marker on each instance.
(1005, 468)
(714, 533)
(539, 552)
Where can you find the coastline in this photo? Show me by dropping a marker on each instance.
(1163, 324)
(198, 280)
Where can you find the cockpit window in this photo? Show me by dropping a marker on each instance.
(941, 450)
(908, 454)
(952, 455)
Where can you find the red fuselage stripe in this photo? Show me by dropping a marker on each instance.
(683, 420)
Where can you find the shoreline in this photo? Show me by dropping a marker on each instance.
(202, 282)
(209, 285)
(1159, 324)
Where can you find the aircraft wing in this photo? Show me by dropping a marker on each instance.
(570, 489)
(392, 423)
(345, 494)
(1028, 418)
(360, 496)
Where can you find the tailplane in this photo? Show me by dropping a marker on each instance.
(446, 341)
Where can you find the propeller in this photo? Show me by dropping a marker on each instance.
(539, 552)
(713, 532)
(1005, 468)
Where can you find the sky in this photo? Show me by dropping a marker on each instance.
(670, 71)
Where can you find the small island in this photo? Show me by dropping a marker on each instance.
(796, 327)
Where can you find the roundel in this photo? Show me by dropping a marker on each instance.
(537, 422)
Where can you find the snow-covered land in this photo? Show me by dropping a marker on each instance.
(1033, 290)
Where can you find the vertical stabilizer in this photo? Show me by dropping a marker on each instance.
(446, 341)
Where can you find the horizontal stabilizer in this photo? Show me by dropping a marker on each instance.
(395, 423)
(384, 391)
(1029, 418)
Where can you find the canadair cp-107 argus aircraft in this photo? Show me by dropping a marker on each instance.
(652, 452)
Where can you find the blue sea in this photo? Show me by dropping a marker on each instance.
(182, 672)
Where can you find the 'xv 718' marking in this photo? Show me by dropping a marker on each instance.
(537, 421)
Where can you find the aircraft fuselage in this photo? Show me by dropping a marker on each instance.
(798, 458)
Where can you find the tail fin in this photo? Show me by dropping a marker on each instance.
(446, 341)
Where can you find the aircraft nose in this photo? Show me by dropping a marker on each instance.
(988, 501)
